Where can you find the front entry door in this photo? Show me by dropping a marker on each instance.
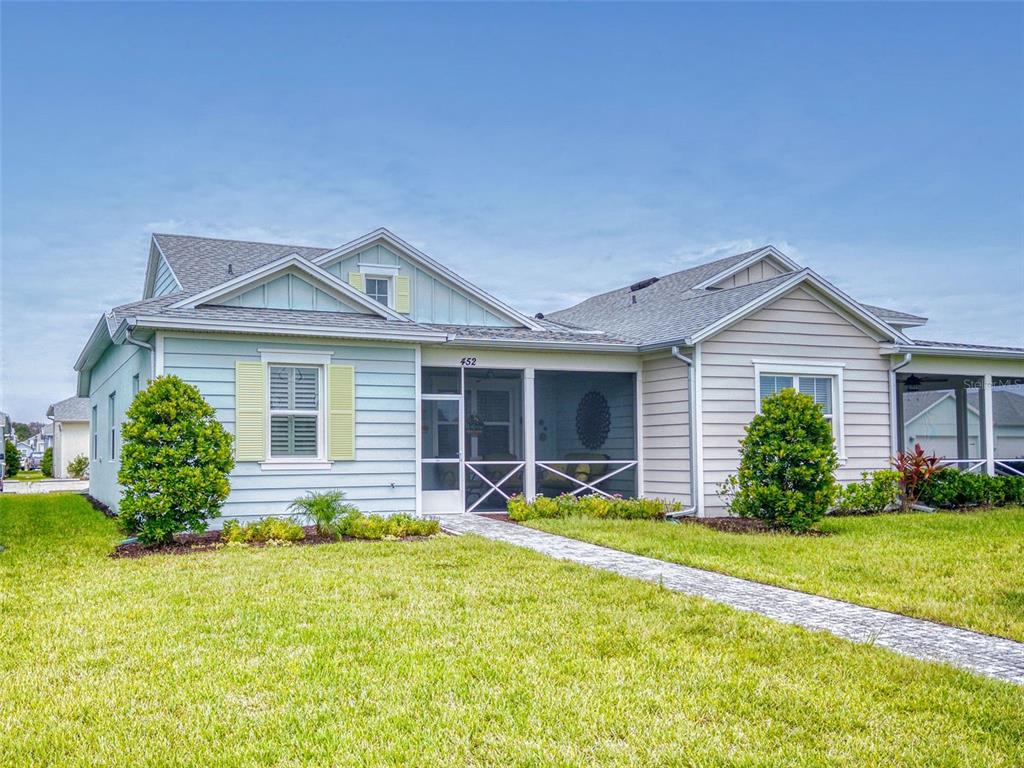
(442, 437)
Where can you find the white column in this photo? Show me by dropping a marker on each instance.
(988, 426)
(638, 421)
(529, 441)
(962, 441)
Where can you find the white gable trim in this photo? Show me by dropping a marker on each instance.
(151, 268)
(415, 255)
(327, 281)
(829, 292)
(768, 252)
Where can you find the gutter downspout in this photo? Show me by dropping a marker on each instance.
(895, 407)
(690, 511)
(144, 345)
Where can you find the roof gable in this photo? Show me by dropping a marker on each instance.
(291, 266)
(762, 264)
(439, 294)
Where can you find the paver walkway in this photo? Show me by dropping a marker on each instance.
(993, 656)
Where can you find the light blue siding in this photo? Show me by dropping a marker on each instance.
(434, 300)
(112, 373)
(382, 478)
(164, 282)
(290, 292)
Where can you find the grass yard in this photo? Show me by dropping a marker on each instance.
(452, 651)
(28, 475)
(965, 569)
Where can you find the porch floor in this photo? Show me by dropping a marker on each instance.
(991, 656)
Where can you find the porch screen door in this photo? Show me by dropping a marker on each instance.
(441, 440)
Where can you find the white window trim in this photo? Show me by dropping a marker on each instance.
(391, 287)
(315, 359)
(809, 368)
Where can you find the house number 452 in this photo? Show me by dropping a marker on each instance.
(469, 361)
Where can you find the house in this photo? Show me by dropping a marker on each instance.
(33, 447)
(70, 427)
(372, 368)
(930, 419)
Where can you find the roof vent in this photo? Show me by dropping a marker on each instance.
(230, 270)
(642, 284)
(539, 316)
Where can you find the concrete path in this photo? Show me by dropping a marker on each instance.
(44, 486)
(992, 656)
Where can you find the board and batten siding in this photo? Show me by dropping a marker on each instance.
(113, 372)
(666, 429)
(755, 273)
(797, 327)
(432, 299)
(164, 282)
(381, 479)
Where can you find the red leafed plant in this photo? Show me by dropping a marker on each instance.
(915, 468)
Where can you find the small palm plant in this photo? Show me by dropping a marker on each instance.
(327, 510)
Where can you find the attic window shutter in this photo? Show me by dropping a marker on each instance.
(250, 411)
(403, 295)
(355, 279)
(341, 417)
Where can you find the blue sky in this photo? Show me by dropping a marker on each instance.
(545, 152)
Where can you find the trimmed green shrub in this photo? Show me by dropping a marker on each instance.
(12, 459)
(591, 505)
(174, 462)
(950, 488)
(46, 464)
(267, 529)
(326, 510)
(877, 492)
(391, 527)
(787, 464)
(79, 466)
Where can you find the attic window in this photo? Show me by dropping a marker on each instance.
(643, 284)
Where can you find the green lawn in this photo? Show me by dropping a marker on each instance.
(28, 475)
(453, 651)
(965, 569)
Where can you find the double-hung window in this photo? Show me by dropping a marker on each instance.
(379, 289)
(296, 421)
(823, 383)
(112, 423)
(818, 387)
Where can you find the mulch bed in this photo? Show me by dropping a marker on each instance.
(99, 506)
(743, 525)
(211, 541)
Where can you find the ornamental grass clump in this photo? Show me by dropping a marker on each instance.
(175, 461)
(787, 464)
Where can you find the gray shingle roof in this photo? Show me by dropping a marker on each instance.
(553, 332)
(70, 409)
(202, 262)
(895, 316)
(668, 310)
(961, 345)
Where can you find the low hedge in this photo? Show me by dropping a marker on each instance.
(952, 488)
(267, 529)
(877, 492)
(591, 505)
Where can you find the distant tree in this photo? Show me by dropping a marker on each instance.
(12, 460)
(21, 431)
(46, 465)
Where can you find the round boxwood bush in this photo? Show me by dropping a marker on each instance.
(175, 462)
(787, 464)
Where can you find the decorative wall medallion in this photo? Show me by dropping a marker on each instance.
(593, 419)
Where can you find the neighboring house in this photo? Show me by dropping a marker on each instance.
(7, 428)
(371, 368)
(33, 447)
(70, 427)
(931, 420)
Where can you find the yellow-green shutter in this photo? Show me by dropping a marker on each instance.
(355, 279)
(403, 295)
(250, 411)
(341, 412)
